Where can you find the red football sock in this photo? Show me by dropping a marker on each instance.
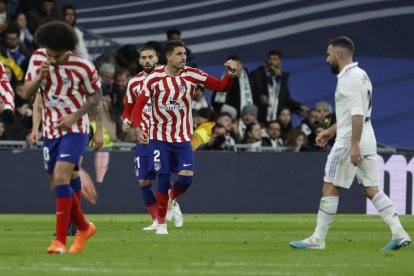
(63, 214)
(162, 205)
(152, 209)
(77, 215)
(175, 191)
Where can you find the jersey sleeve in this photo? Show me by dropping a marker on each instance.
(6, 92)
(91, 80)
(34, 67)
(209, 82)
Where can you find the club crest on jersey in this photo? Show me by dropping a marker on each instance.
(181, 88)
(157, 166)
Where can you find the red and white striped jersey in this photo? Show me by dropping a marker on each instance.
(6, 92)
(64, 91)
(133, 90)
(171, 98)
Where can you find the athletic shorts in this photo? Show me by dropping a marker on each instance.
(341, 172)
(68, 148)
(169, 157)
(141, 163)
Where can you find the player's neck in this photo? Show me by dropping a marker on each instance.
(171, 70)
(344, 64)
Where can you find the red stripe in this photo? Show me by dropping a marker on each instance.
(188, 118)
(175, 126)
(59, 81)
(158, 112)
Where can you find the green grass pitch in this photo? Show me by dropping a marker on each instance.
(220, 244)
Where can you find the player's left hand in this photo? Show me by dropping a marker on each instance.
(98, 140)
(356, 158)
(67, 121)
(142, 136)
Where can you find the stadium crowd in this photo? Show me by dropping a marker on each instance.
(255, 114)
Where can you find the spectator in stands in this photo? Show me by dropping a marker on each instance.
(45, 12)
(285, 120)
(296, 139)
(248, 116)
(14, 49)
(26, 36)
(218, 140)
(107, 72)
(240, 93)
(326, 114)
(252, 136)
(312, 145)
(22, 121)
(199, 101)
(204, 122)
(4, 20)
(127, 57)
(271, 90)
(4, 135)
(119, 90)
(226, 120)
(70, 16)
(271, 137)
(175, 34)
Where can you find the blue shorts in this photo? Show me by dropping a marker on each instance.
(68, 148)
(141, 163)
(170, 157)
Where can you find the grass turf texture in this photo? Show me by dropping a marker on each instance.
(221, 244)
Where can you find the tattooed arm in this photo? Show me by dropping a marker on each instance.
(97, 140)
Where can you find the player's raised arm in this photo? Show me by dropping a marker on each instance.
(225, 83)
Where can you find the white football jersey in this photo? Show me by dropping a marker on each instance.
(353, 96)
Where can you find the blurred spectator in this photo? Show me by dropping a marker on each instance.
(285, 120)
(271, 90)
(271, 136)
(226, 120)
(311, 145)
(127, 57)
(175, 34)
(204, 120)
(199, 101)
(70, 16)
(13, 66)
(107, 73)
(4, 20)
(119, 90)
(43, 13)
(26, 36)
(22, 122)
(326, 116)
(218, 140)
(3, 132)
(252, 136)
(240, 93)
(248, 116)
(308, 124)
(14, 49)
(296, 139)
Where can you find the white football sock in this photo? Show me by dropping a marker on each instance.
(326, 214)
(386, 208)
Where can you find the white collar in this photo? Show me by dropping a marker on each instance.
(349, 66)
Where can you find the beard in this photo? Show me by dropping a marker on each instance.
(334, 67)
(149, 69)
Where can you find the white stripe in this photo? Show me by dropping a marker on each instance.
(118, 6)
(240, 25)
(151, 12)
(156, 114)
(298, 28)
(170, 122)
(191, 19)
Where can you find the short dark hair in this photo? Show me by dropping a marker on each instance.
(269, 123)
(207, 113)
(147, 48)
(12, 29)
(57, 36)
(172, 31)
(217, 125)
(274, 52)
(343, 42)
(171, 45)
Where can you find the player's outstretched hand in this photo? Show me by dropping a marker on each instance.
(126, 125)
(323, 137)
(231, 66)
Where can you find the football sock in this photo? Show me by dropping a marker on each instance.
(386, 208)
(162, 205)
(76, 186)
(326, 214)
(182, 184)
(152, 210)
(77, 215)
(164, 183)
(64, 196)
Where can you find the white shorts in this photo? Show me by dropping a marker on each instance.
(341, 172)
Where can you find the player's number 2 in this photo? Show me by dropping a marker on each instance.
(157, 156)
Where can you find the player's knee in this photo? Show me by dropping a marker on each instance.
(370, 192)
(144, 182)
(184, 181)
